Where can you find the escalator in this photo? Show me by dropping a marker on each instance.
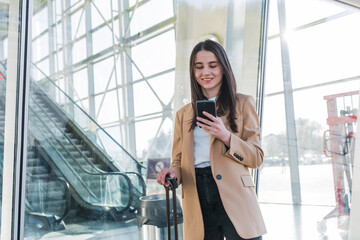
(69, 154)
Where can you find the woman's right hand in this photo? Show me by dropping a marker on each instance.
(160, 177)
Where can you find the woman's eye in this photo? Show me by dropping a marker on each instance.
(213, 66)
(199, 67)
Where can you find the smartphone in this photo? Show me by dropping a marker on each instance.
(207, 106)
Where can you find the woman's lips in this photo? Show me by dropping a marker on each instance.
(207, 79)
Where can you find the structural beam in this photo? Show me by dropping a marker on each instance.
(289, 107)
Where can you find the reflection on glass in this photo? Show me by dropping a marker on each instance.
(78, 176)
(74, 166)
(95, 73)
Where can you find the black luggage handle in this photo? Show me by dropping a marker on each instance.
(172, 185)
(172, 182)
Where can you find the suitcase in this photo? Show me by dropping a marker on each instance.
(172, 185)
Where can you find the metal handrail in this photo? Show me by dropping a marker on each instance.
(90, 173)
(100, 171)
(67, 195)
(87, 115)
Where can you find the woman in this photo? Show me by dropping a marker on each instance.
(212, 162)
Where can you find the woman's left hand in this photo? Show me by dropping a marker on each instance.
(215, 127)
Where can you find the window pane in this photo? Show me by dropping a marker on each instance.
(273, 75)
(315, 10)
(273, 21)
(147, 105)
(78, 24)
(104, 75)
(80, 84)
(108, 111)
(38, 24)
(328, 52)
(164, 86)
(275, 186)
(155, 55)
(141, 20)
(145, 132)
(310, 116)
(102, 39)
(100, 10)
(78, 51)
(41, 47)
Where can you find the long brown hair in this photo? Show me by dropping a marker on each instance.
(226, 100)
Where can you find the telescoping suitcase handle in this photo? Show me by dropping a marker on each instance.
(172, 185)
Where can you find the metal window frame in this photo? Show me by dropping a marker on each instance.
(260, 92)
(16, 229)
(22, 112)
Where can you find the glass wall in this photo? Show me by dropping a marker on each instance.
(102, 98)
(104, 55)
(3, 55)
(310, 111)
(13, 25)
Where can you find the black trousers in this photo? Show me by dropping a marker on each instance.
(216, 222)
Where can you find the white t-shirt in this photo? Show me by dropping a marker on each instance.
(202, 146)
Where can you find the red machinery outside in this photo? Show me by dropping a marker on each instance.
(339, 145)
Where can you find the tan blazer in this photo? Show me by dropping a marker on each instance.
(236, 187)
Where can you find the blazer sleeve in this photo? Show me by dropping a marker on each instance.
(177, 148)
(247, 148)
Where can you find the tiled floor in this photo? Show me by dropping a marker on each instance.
(283, 221)
(288, 222)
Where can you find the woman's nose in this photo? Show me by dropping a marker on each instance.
(206, 70)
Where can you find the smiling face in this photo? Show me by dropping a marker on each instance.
(208, 73)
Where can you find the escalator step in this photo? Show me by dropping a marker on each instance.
(35, 195)
(49, 184)
(42, 175)
(31, 155)
(31, 161)
(49, 207)
(75, 154)
(37, 170)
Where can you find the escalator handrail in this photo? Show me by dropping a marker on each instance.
(67, 195)
(61, 155)
(87, 115)
(136, 173)
(73, 102)
(100, 171)
(108, 173)
(90, 173)
(85, 185)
